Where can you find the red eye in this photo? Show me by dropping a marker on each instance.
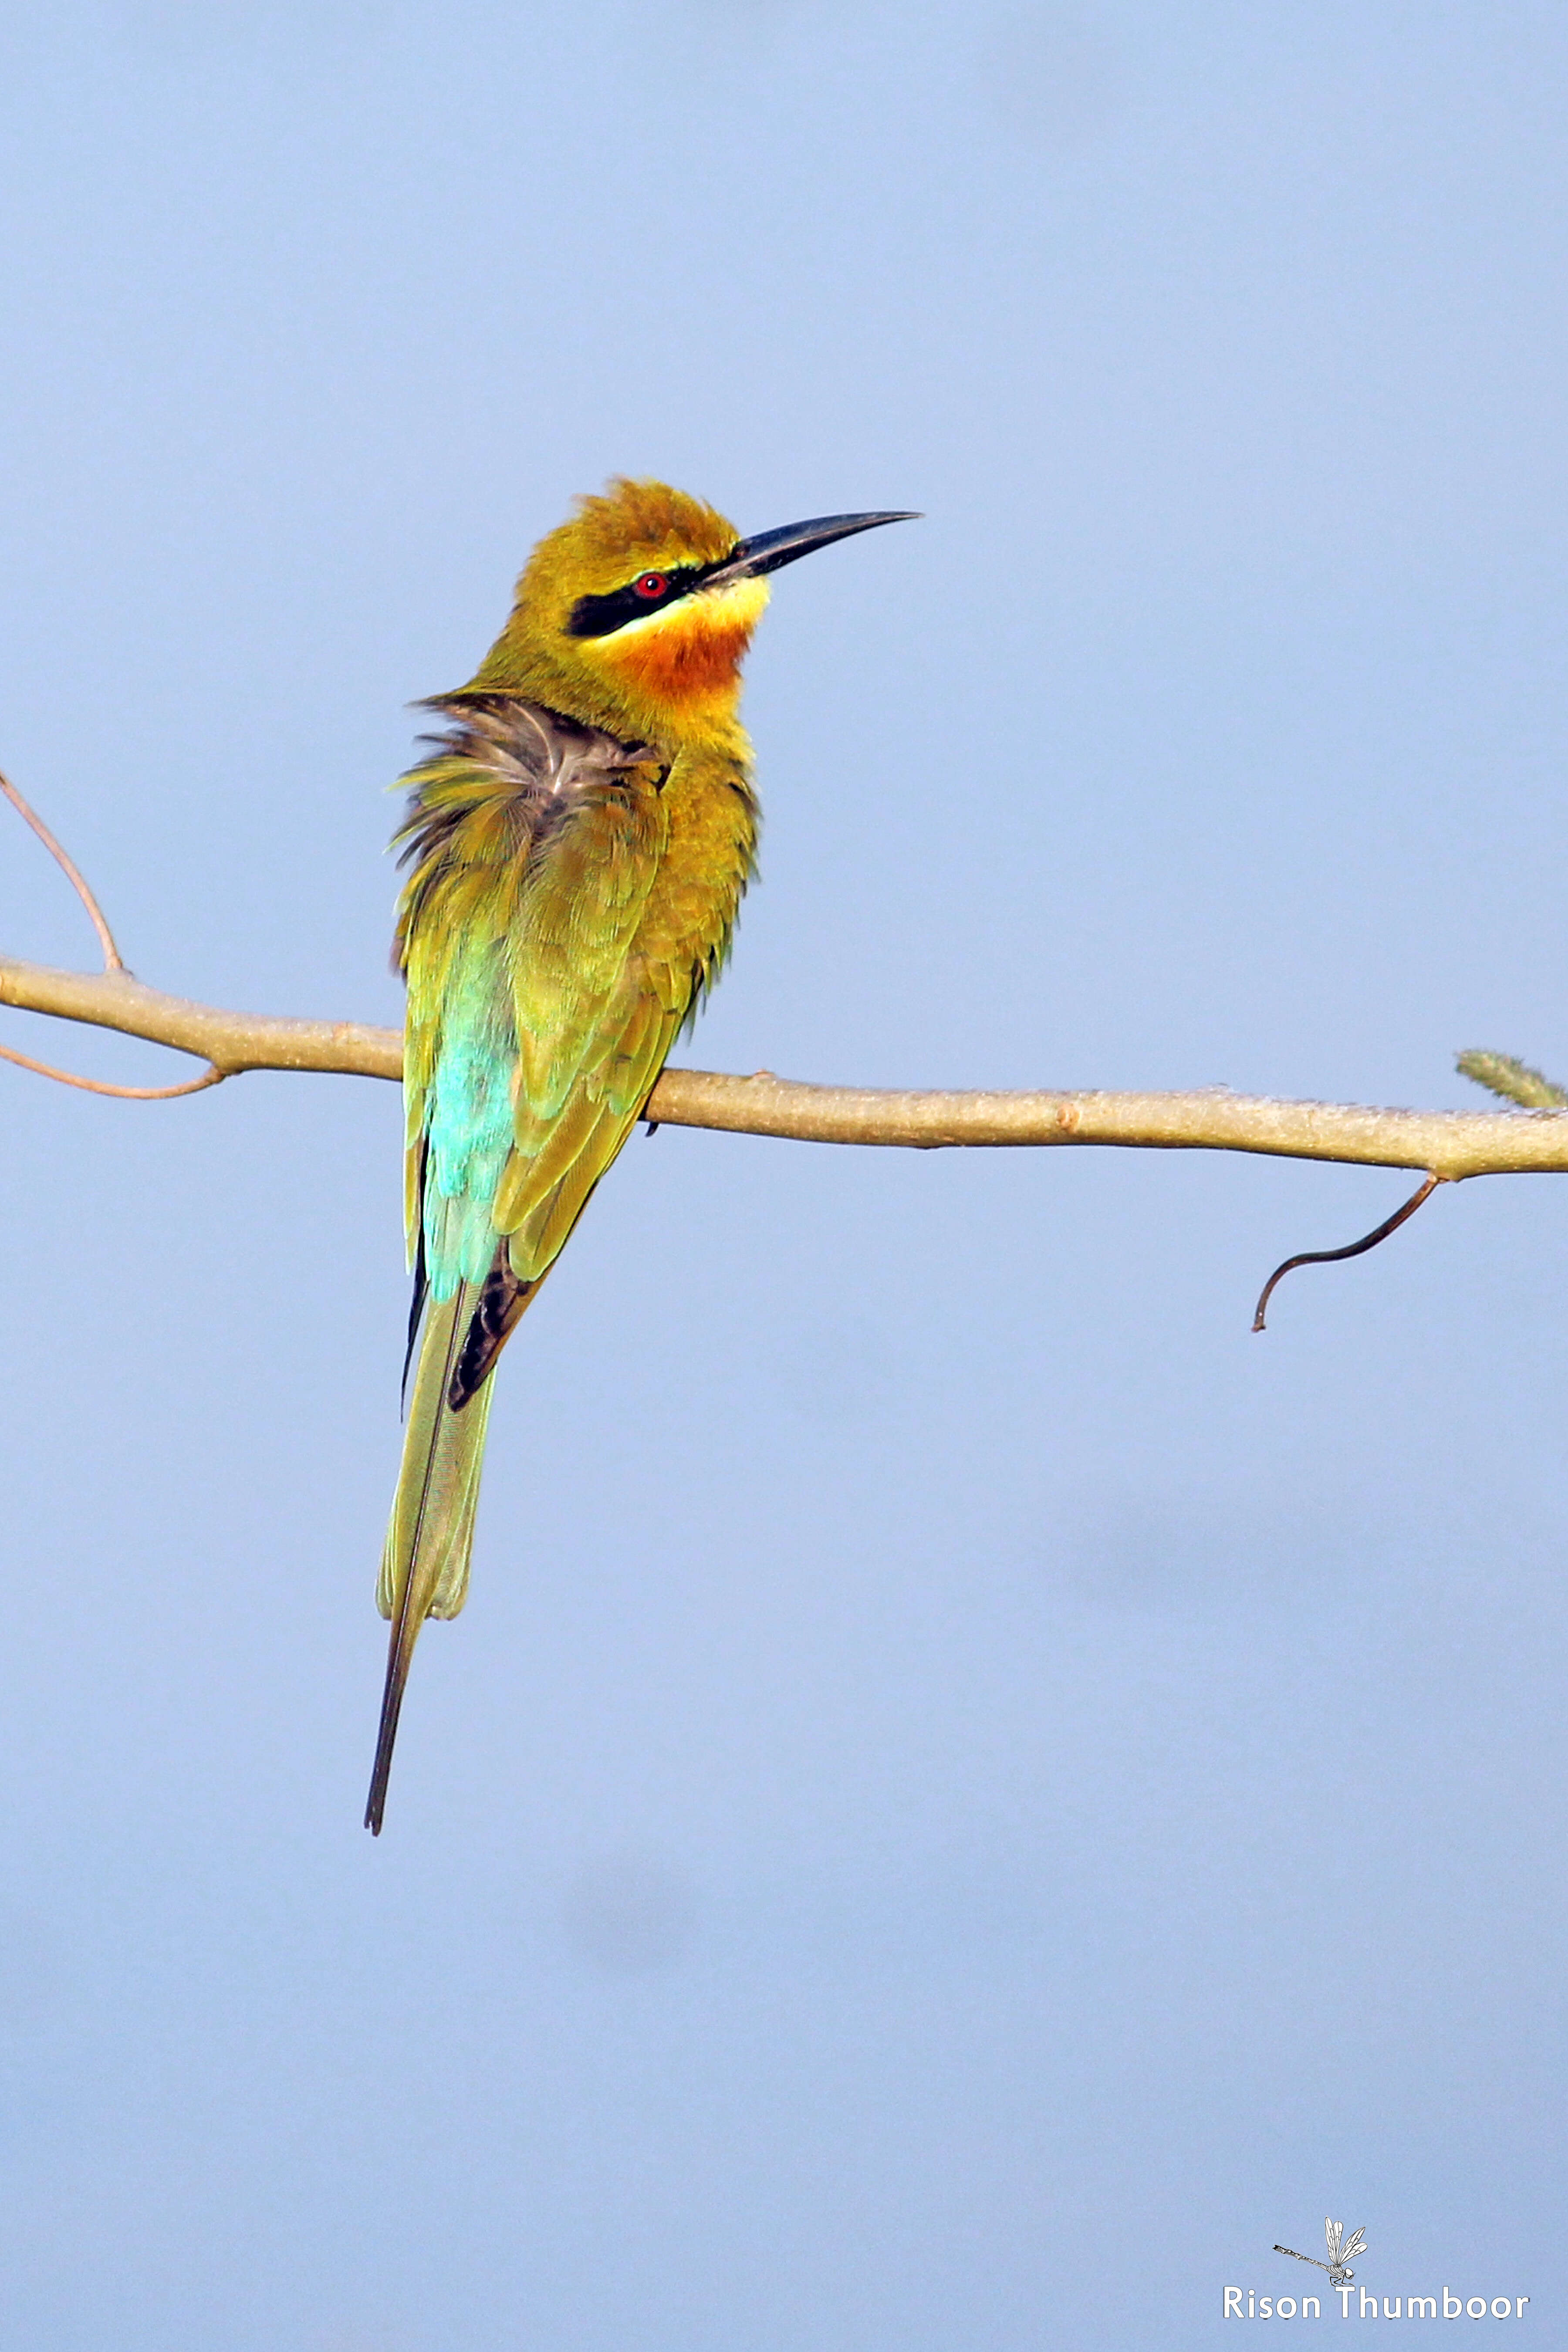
(652, 583)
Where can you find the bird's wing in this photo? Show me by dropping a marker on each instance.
(534, 1032)
(584, 1079)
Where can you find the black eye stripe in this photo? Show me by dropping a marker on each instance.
(601, 616)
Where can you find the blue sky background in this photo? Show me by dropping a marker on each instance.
(971, 1796)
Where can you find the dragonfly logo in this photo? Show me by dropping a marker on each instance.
(1339, 2253)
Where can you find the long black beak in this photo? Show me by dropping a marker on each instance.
(772, 549)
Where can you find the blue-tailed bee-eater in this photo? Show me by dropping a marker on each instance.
(579, 842)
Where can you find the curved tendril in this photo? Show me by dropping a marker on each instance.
(210, 1076)
(1424, 1191)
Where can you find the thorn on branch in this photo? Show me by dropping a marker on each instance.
(1514, 1080)
(112, 960)
(1424, 1191)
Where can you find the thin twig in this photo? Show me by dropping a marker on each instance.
(1330, 1257)
(209, 1077)
(112, 960)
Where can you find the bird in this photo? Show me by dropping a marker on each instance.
(578, 841)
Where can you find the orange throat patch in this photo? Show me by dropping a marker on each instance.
(691, 653)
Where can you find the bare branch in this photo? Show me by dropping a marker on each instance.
(1454, 1143)
(1449, 1144)
(229, 1041)
(112, 961)
(1332, 1257)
